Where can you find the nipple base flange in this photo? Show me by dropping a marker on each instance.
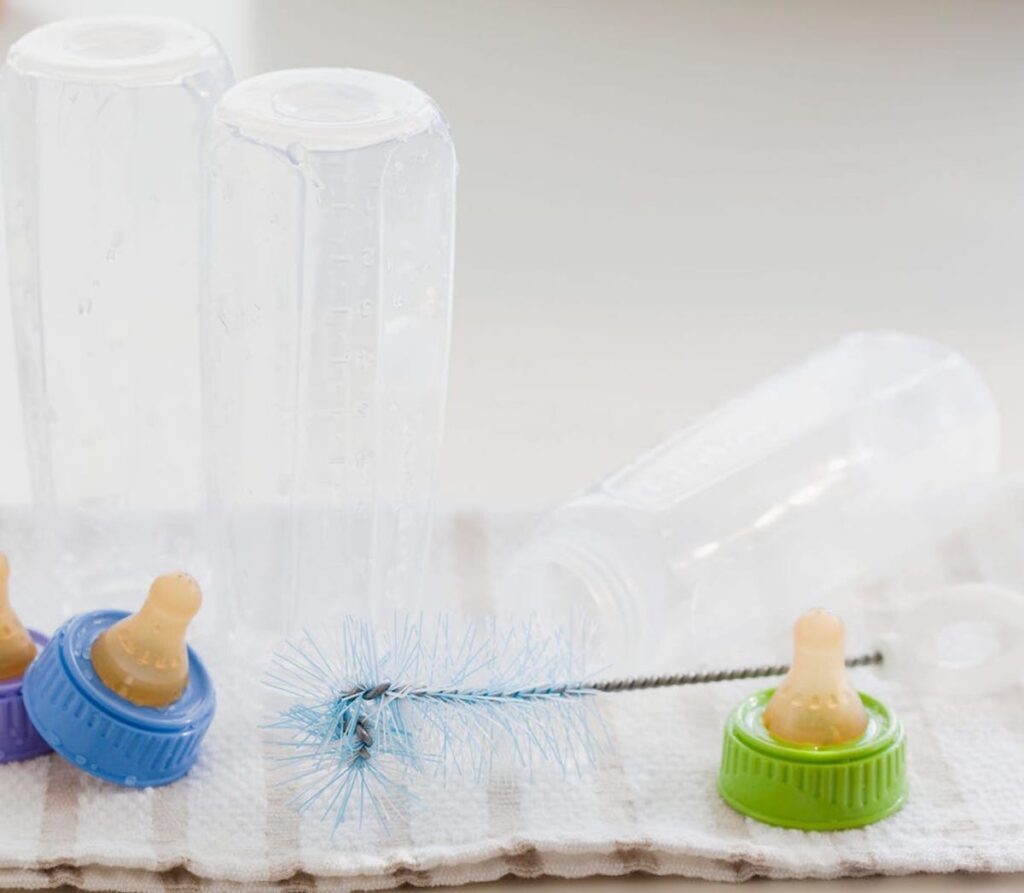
(19, 739)
(814, 788)
(100, 732)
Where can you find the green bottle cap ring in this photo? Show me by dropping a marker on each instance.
(808, 787)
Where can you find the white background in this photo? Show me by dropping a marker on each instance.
(662, 202)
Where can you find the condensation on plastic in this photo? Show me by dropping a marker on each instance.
(104, 121)
(708, 546)
(328, 315)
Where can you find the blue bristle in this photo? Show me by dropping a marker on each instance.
(369, 708)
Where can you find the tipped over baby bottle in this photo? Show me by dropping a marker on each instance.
(815, 704)
(17, 650)
(144, 658)
(122, 696)
(809, 483)
(814, 753)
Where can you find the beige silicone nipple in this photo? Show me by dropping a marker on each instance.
(144, 658)
(815, 704)
(17, 650)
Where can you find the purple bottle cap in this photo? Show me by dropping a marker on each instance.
(19, 739)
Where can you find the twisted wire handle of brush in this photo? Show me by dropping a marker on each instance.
(637, 683)
(669, 681)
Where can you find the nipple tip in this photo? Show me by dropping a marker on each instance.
(177, 593)
(819, 628)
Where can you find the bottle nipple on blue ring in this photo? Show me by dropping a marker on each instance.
(122, 696)
(144, 658)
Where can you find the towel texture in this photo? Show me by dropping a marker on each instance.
(649, 804)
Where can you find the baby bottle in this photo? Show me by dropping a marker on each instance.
(104, 120)
(327, 313)
(782, 498)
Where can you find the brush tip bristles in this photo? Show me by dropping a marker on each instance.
(365, 708)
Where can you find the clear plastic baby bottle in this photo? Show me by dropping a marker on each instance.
(780, 500)
(326, 352)
(104, 121)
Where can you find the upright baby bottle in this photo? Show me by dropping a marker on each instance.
(326, 352)
(787, 495)
(104, 121)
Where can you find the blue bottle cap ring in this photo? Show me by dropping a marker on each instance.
(19, 739)
(102, 733)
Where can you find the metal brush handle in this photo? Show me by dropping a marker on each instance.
(669, 681)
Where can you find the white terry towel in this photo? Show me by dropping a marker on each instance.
(649, 804)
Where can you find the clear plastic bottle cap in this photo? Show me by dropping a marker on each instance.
(139, 50)
(326, 108)
(960, 640)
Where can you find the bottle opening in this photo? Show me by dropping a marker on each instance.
(130, 51)
(326, 109)
(333, 104)
(117, 42)
(573, 587)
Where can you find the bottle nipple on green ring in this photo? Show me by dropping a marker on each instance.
(815, 704)
(814, 753)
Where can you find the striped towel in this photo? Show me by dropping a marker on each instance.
(649, 803)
